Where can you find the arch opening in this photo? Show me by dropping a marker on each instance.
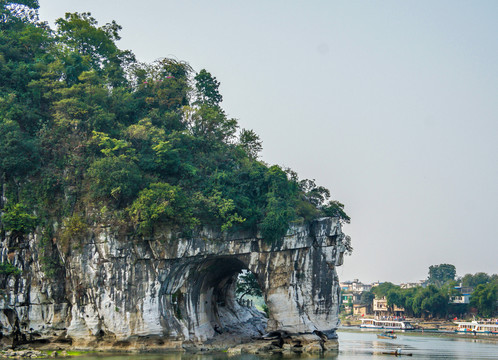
(198, 301)
(225, 314)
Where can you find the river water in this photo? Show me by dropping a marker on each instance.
(359, 345)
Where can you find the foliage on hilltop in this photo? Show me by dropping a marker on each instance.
(89, 135)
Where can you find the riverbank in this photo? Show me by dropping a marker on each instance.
(418, 323)
(273, 343)
(38, 354)
(426, 331)
(363, 343)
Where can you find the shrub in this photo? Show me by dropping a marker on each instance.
(8, 269)
(17, 219)
(73, 232)
(114, 178)
(161, 202)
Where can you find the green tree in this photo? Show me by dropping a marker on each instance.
(382, 289)
(217, 208)
(19, 153)
(251, 143)
(479, 278)
(246, 186)
(18, 220)
(206, 87)
(435, 302)
(484, 299)
(421, 302)
(440, 274)
(23, 45)
(335, 209)
(85, 46)
(19, 10)
(211, 123)
(161, 90)
(161, 203)
(367, 298)
(314, 194)
(279, 209)
(8, 269)
(493, 279)
(83, 107)
(114, 178)
(112, 147)
(247, 284)
(395, 296)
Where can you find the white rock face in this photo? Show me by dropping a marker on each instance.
(177, 290)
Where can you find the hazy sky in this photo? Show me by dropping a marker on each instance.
(392, 105)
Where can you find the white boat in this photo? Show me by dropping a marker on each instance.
(386, 324)
(477, 327)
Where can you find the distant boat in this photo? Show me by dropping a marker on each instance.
(387, 335)
(396, 353)
(386, 324)
(478, 327)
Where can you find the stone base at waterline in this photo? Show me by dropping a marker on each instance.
(232, 346)
(291, 347)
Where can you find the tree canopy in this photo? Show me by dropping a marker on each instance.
(485, 299)
(441, 274)
(479, 278)
(87, 132)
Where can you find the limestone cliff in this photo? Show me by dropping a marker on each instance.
(167, 292)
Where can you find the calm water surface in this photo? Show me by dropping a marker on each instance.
(361, 345)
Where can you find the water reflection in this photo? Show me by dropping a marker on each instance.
(422, 346)
(356, 345)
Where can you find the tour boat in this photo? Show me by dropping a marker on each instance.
(386, 324)
(477, 327)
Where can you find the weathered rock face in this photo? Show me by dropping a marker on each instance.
(120, 289)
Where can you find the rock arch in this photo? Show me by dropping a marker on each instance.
(297, 277)
(179, 290)
(198, 297)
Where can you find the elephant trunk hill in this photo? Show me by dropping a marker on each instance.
(130, 202)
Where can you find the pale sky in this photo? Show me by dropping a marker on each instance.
(392, 105)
